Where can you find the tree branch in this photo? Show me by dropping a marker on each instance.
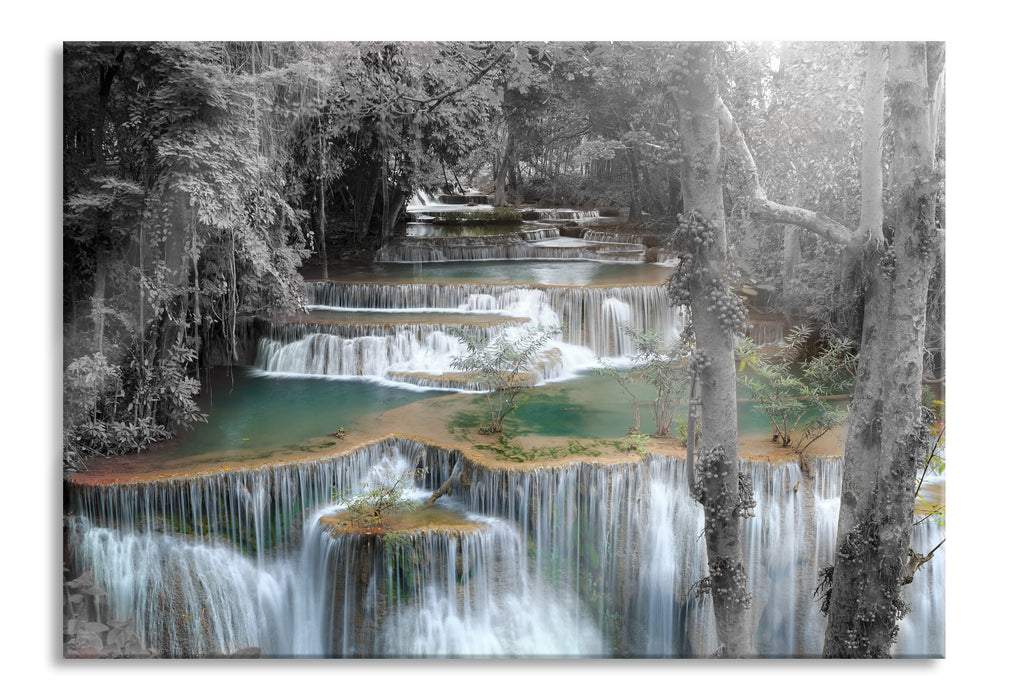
(438, 99)
(763, 208)
(915, 562)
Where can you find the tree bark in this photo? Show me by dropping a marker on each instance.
(634, 183)
(323, 254)
(391, 212)
(885, 443)
(718, 464)
(500, 182)
(106, 76)
(791, 256)
(871, 221)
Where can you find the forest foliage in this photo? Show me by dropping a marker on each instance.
(199, 178)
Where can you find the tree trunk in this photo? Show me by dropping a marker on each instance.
(364, 201)
(885, 443)
(391, 212)
(323, 255)
(634, 186)
(886, 434)
(500, 182)
(718, 464)
(98, 302)
(106, 76)
(791, 257)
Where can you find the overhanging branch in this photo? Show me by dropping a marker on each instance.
(432, 102)
(763, 208)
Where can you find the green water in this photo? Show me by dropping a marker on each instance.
(262, 413)
(549, 272)
(256, 415)
(592, 406)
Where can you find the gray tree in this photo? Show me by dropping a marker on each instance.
(898, 245)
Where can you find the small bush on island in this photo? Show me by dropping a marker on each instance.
(370, 510)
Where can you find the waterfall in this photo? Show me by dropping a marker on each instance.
(611, 237)
(293, 332)
(568, 214)
(591, 318)
(543, 234)
(577, 559)
(518, 245)
(766, 332)
(593, 519)
(923, 630)
(420, 199)
(175, 556)
(588, 320)
(405, 350)
(673, 621)
(617, 315)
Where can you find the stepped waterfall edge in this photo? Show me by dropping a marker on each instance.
(604, 552)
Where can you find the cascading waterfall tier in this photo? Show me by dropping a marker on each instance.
(413, 353)
(331, 354)
(519, 245)
(215, 563)
(293, 332)
(578, 559)
(614, 237)
(567, 214)
(591, 315)
(592, 322)
(766, 331)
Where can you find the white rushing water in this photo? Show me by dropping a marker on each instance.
(591, 320)
(522, 245)
(575, 560)
(467, 593)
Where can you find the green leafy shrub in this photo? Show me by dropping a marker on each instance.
(660, 363)
(791, 390)
(371, 509)
(503, 366)
(635, 442)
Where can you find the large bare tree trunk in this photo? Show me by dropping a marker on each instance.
(885, 443)
(718, 464)
(501, 181)
(323, 253)
(634, 186)
(106, 76)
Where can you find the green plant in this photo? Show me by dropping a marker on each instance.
(659, 362)
(371, 509)
(934, 465)
(788, 389)
(503, 366)
(681, 424)
(635, 442)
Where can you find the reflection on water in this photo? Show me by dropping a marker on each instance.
(595, 406)
(264, 412)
